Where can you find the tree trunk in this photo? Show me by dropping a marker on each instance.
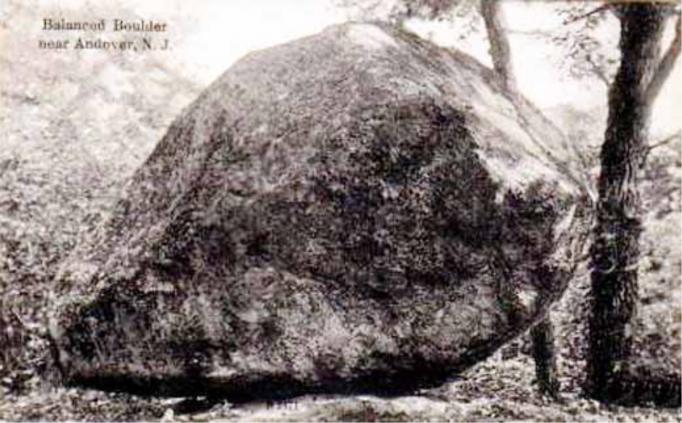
(666, 65)
(500, 52)
(615, 248)
(542, 336)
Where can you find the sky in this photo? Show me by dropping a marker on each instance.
(207, 36)
(220, 32)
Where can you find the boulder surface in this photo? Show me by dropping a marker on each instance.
(356, 211)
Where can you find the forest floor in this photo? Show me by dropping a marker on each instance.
(65, 156)
(496, 390)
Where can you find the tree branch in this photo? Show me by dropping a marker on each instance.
(665, 140)
(588, 14)
(598, 71)
(659, 143)
(500, 52)
(665, 66)
(531, 32)
(542, 336)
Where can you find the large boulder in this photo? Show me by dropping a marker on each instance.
(358, 210)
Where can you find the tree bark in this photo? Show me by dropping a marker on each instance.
(615, 248)
(500, 52)
(542, 336)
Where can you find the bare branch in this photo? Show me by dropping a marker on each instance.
(531, 32)
(672, 137)
(666, 140)
(599, 9)
(665, 66)
(598, 71)
(662, 142)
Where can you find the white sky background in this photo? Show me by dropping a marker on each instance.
(223, 31)
(209, 35)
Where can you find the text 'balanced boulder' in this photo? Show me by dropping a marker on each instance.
(356, 211)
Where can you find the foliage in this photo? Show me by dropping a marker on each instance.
(587, 54)
(463, 13)
(58, 180)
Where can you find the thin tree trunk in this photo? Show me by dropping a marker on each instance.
(615, 249)
(500, 52)
(666, 65)
(542, 336)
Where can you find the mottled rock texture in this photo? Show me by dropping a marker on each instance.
(354, 211)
